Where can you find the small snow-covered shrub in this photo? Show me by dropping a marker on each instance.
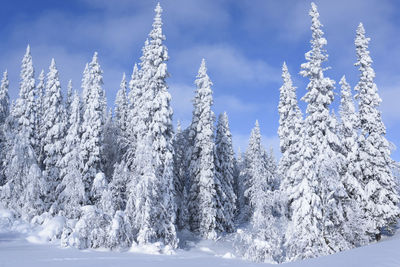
(90, 231)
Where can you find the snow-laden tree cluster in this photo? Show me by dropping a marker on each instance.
(123, 179)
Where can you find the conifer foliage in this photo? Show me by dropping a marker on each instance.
(374, 153)
(121, 178)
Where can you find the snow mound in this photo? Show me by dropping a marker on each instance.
(9, 222)
(152, 249)
(51, 230)
(228, 255)
(7, 219)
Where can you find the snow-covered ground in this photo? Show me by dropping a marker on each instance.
(21, 245)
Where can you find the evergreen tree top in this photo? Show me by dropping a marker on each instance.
(203, 80)
(4, 81)
(317, 55)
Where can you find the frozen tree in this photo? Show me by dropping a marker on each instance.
(257, 177)
(357, 218)
(25, 187)
(121, 117)
(204, 205)
(134, 106)
(225, 167)
(180, 144)
(290, 123)
(381, 198)
(85, 88)
(4, 112)
(111, 151)
(119, 232)
(92, 127)
(40, 102)
(262, 239)
(153, 165)
(4, 98)
(239, 185)
(90, 231)
(54, 129)
(25, 106)
(118, 185)
(316, 194)
(71, 190)
(68, 102)
(121, 106)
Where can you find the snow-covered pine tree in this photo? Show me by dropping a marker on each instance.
(204, 205)
(111, 150)
(134, 105)
(290, 123)
(374, 153)
(239, 185)
(316, 196)
(25, 187)
(225, 166)
(257, 178)
(262, 240)
(357, 220)
(71, 190)
(85, 85)
(68, 103)
(121, 116)
(121, 106)
(155, 134)
(4, 112)
(54, 127)
(180, 144)
(40, 102)
(124, 183)
(119, 232)
(4, 98)
(92, 125)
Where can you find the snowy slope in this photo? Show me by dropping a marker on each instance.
(16, 250)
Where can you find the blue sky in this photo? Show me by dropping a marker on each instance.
(244, 43)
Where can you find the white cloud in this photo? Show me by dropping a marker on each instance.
(230, 65)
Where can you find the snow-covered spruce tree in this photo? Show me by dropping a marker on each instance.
(121, 116)
(111, 150)
(4, 112)
(262, 240)
(134, 105)
(68, 103)
(71, 190)
(155, 134)
(40, 133)
(25, 187)
(316, 196)
(257, 178)
(205, 213)
(124, 183)
(180, 144)
(290, 123)
(118, 185)
(92, 127)
(353, 212)
(240, 177)
(4, 98)
(119, 232)
(85, 88)
(54, 129)
(121, 106)
(225, 167)
(374, 152)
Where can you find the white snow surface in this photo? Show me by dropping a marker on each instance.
(17, 250)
